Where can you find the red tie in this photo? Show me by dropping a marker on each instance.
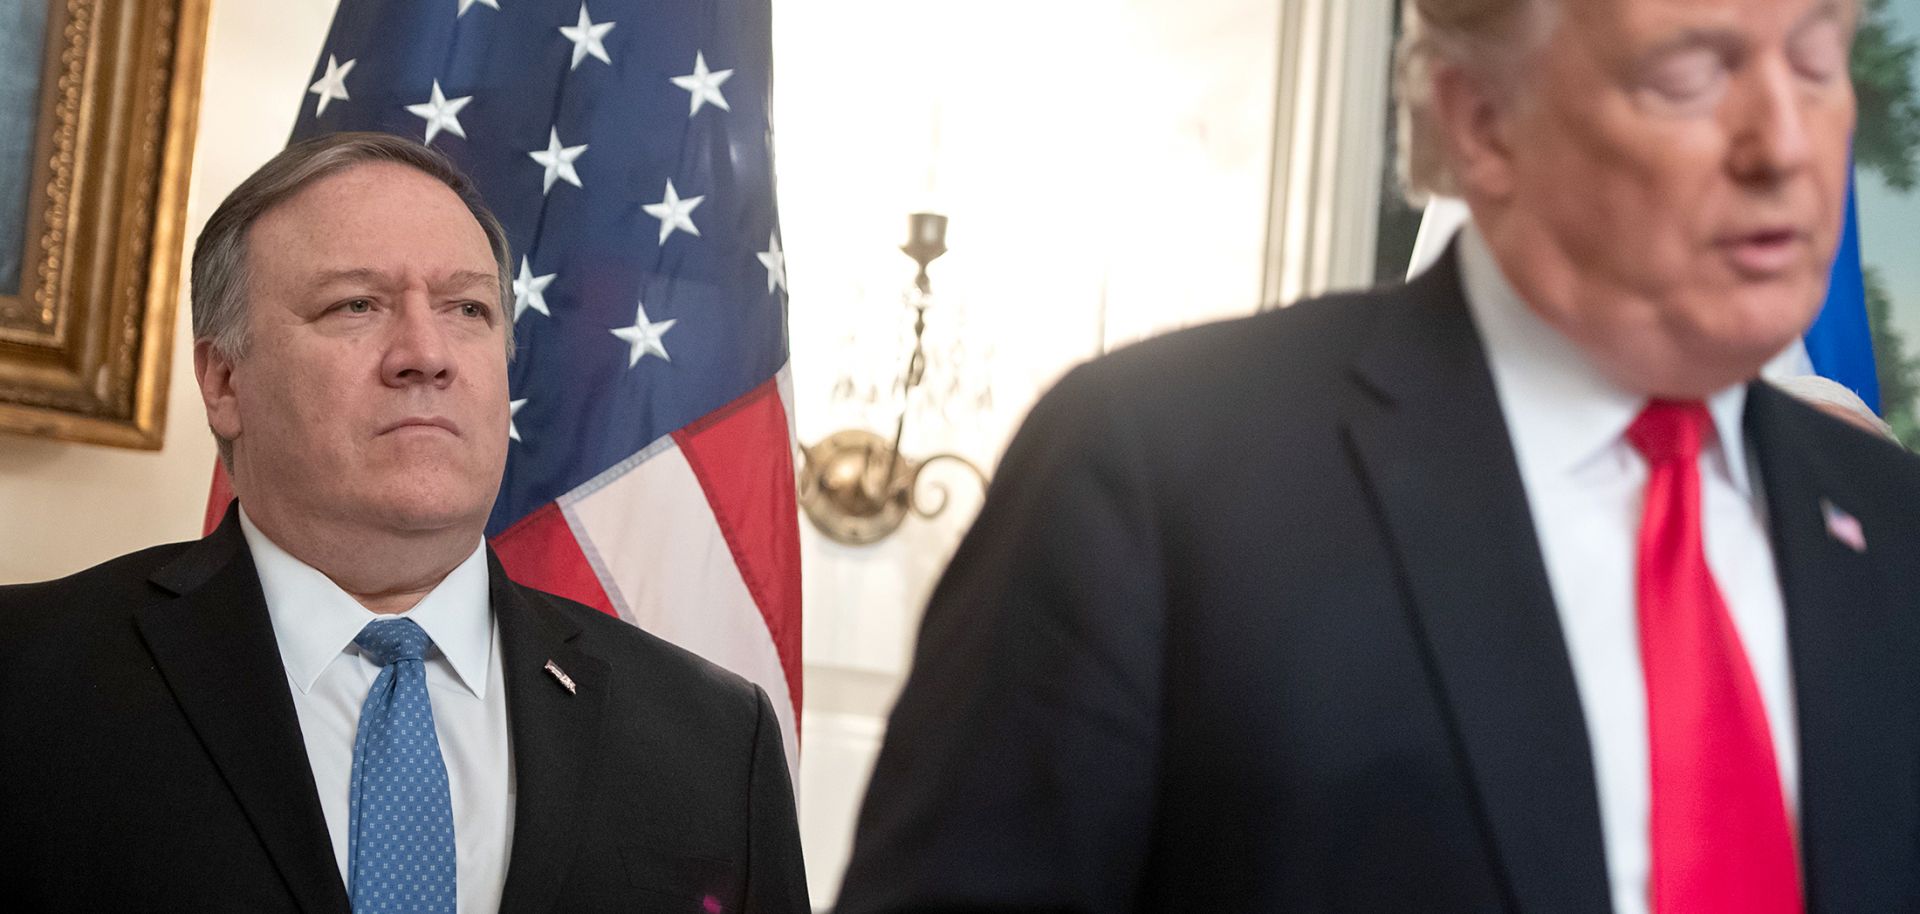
(1721, 840)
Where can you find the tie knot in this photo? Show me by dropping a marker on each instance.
(392, 640)
(1670, 430)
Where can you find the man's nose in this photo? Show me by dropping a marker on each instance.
(1769, 113)
(417, 351)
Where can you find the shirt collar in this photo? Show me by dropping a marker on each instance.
(1561, 412)
(315, 621)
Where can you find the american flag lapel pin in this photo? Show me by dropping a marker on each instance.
(1843, 527)
(561, 675)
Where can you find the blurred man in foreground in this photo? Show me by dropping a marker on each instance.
(1508, 590)
(338, 697)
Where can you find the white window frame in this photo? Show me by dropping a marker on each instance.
(1329, 124)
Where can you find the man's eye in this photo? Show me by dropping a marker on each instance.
(1819, 52)
(357, 306)
(1693, 76)
(473, 309)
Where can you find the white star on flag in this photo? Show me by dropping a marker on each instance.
(704, 84)
(513, 409)
(775, 260)
(529, 291)
(558, 161)
(586, 37)
(674, 213)
(468, 4)
(441, 113)
(331, 86)
(645, 337)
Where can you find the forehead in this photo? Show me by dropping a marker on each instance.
(1653, 20)
(378, 216)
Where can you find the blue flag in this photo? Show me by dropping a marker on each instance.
(1839, 343)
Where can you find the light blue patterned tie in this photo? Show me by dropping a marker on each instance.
(400, 834)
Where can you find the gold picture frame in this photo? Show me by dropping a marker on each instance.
(86, 341)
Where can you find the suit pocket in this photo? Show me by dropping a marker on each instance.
(678, 882)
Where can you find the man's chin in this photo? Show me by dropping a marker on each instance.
(428, 517)
(1704, 370)
(1743, 354)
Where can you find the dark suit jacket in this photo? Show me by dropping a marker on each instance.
(1254, 619)
(153, 762)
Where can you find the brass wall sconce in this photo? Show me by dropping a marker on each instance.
(855, 486)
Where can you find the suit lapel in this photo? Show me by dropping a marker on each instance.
(1434, 452)
(215, 647)
(1853, 651)
(555, 733)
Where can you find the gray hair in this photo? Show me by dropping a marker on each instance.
(1488, 38)
(1826, 392)
(219, 280)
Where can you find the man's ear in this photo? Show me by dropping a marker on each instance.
(214, 372)
(1475, 117)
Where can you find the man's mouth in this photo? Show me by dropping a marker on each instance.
(423, 424)
(1765, 253)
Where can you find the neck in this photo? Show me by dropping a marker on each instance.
(385, 571)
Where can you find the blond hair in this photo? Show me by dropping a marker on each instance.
(1489, 39)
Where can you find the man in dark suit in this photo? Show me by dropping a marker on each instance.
(1507, 590)
(338, 699)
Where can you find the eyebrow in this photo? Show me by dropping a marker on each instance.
(1827, 10)
(1726, 41)
(458, 279)
(461, 279)
(1730, 41)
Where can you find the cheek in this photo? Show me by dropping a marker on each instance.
(490, 390)
(1640, 204)
(1833, 168)
(307, 397)
(485, 377)
(265, 393)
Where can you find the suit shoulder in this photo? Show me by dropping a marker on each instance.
(1860, 454)
(1290, 364)
(1319, 331)
(1818, 454)
(631, 650)
(1886, 467)
(108, 585)
(1880, 458)
(72, 616)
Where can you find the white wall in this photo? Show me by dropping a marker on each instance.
(1105, 164)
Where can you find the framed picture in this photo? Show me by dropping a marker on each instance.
(97, 112)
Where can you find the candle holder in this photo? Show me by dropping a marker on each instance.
(855, 486)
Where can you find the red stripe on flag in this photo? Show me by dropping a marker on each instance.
(743, 459)
(541, 552)
(219, 496)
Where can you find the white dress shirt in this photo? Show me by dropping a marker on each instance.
(1585, 485)
(315, 623)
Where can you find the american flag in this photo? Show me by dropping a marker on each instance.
(627, 148)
